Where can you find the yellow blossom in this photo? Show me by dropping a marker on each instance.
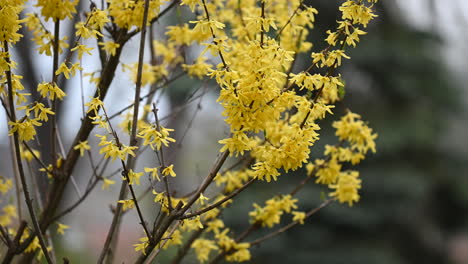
(203, 247)
(110, 47)
(57, 9)
(142, 246)
(134, 177)
(50, 89)
(169, 171)
(81, 50)
(154, 172)
(299, 217)
(127, 204)
(61, 228)
(156, 137)
(202, 199)
(82, 146)
(346, 189)
(5, 185)
(25, 129)
(106, 183)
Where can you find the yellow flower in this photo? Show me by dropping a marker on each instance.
(134, 177)
(40, 111)
(94, 105)
(169, 171)
(106, 183)
(154, 172)
(61, 228)
(346, 189)
(25, 129)
(241, 254)
(57, 9)
(33, 245)
(202, 199)
(50, 89)
(299, 217)
(81, 50)
(82, 146)
(191, 3)
(203, 247)
(9, 22)
(142, 246)
(110, 47)
(199, 69)
(155, 138)
(328, 172)
(127, 204)
(5, 185)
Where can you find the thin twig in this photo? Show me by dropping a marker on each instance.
(220, 202)
(155, 253)
(133, 142)
(163, 165)
(5, 236)
(291, 225)
(53, 118)
(146, 96)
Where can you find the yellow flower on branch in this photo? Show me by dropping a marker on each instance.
(106, 183)
(299, 217)
(169, 171)
(5, 185)
(346, 189)
(25, 129)
(82, 146)
(61, 228)
(110, 47)
(203, 247)
(154, 172)
(142, 246)
(51, 90)
(134, 177)
(127, 204)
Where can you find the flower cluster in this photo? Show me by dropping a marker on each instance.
(272, 105)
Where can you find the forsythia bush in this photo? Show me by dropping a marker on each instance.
(273, 111)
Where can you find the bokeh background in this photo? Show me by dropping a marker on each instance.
(407, 78)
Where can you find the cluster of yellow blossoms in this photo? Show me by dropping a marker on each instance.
(272, 108)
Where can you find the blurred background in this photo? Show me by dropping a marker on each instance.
(406, 78)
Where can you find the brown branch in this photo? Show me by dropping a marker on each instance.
(217, 166)
(220, 202)
(133, 142)
(155, 253)
(53, 118)
(127, 181)
(180, 209)
(5, 236)
(19, 163)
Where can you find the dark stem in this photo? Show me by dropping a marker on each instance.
(53, 118)
(220, 202)
(19, 164)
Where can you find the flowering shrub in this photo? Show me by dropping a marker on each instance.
(272, 110)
